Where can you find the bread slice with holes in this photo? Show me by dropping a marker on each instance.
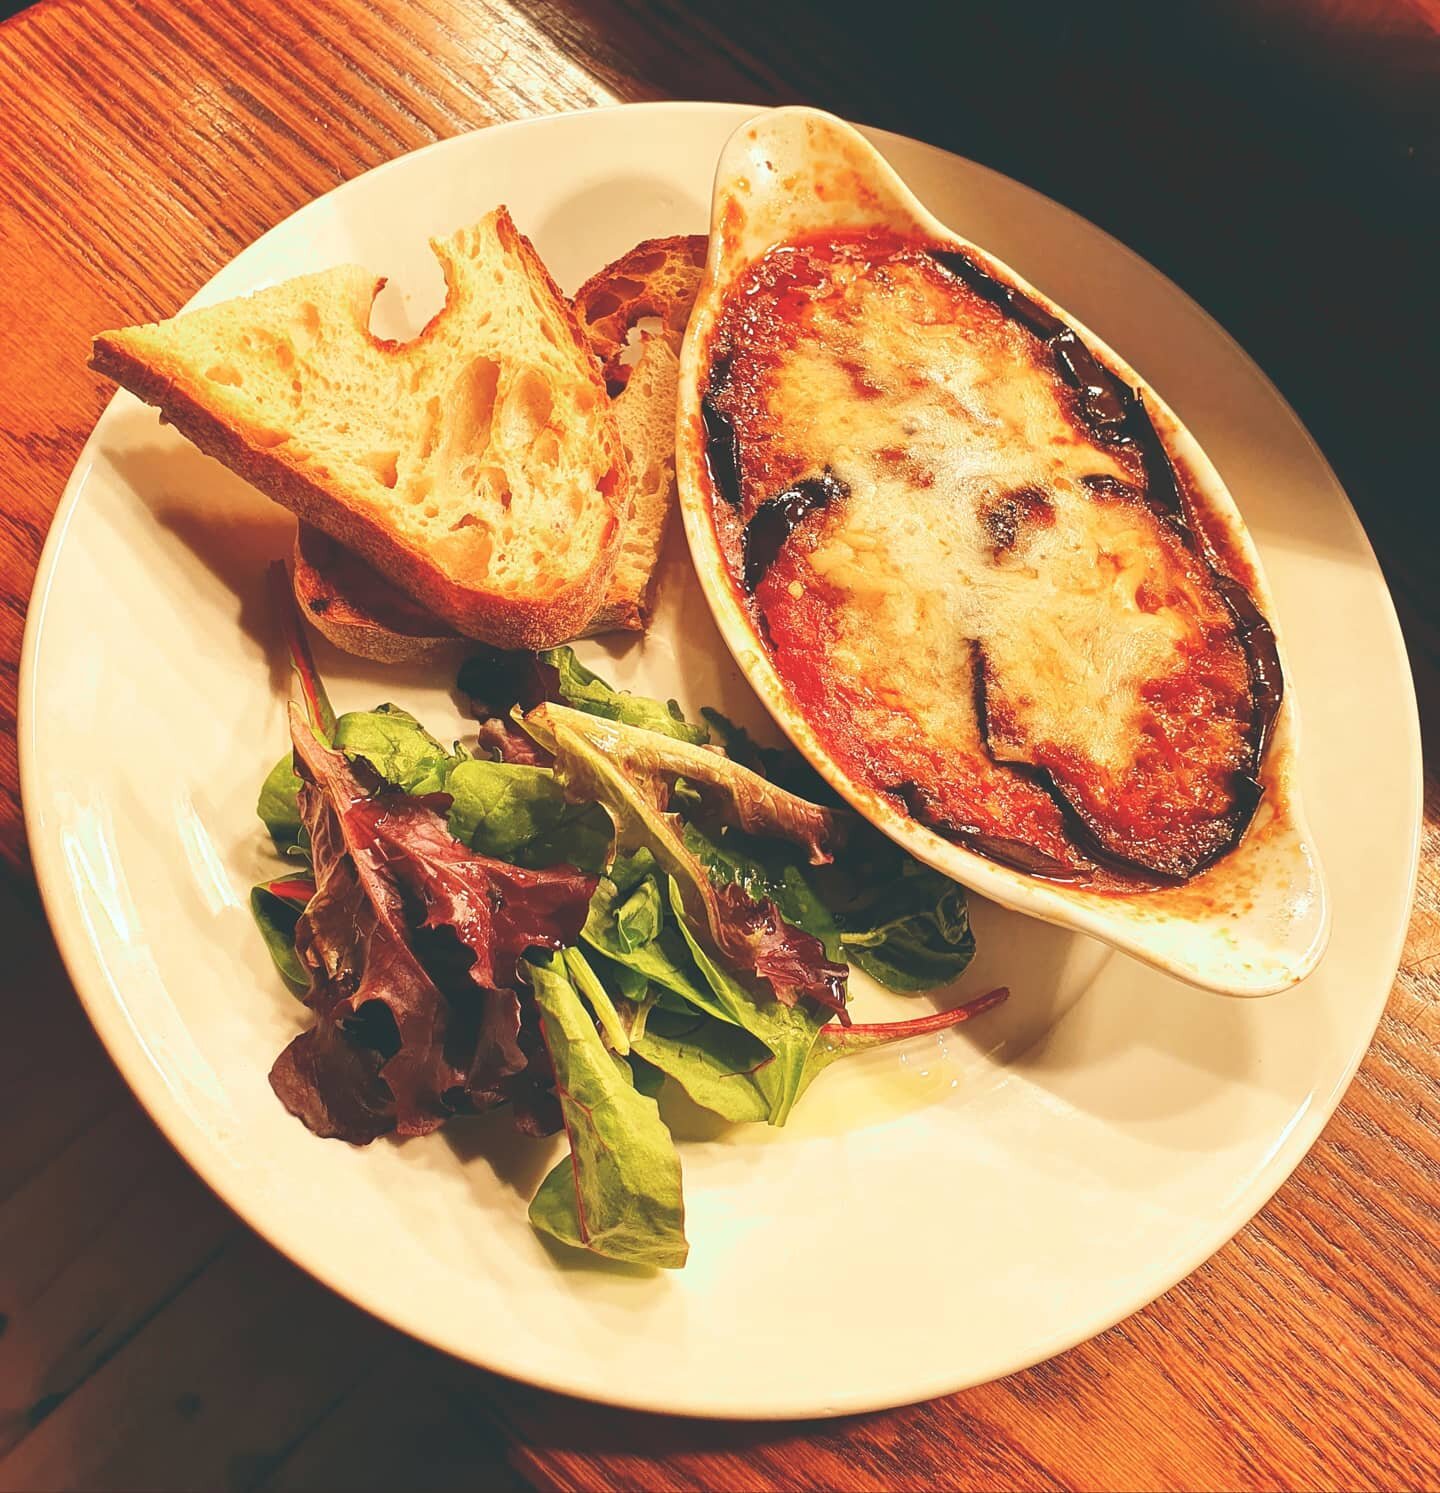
(477, 467)
(362, 613)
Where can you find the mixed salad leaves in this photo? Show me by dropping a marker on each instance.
(600, 899)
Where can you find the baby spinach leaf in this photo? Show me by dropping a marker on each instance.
(279, 806)
(628, 871)
(628, 773)
(877, 907)
(588, 692)
(766, 871)
(648, 1079)
(518, 813)
(664, 960)
(397, 746)
(276, 907)
(626, 982)
(618, 1192)
(905, 925)
(716, 1064)
(902, 923)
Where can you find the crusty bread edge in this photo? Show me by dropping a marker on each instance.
(349, 629)
(607, 348)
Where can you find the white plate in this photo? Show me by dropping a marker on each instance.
(930, 1219)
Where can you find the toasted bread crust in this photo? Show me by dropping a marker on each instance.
(658, 277)
(357, 609)
(505, 620)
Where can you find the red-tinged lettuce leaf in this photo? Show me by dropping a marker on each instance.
(307, 682)
(733, 1075)
(630, 774)
(411, 943)
(332, 1084)
(788, 1031)
(496, 910)
(277, 806)
(792, 962)
(618, 1192)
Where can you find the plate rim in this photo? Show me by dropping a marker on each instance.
(89, 975)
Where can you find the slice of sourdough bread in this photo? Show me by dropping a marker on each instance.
(478, 467)
(361, 612)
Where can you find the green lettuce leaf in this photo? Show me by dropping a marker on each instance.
(630, 984)
(276, 907)
(664, 960)
(716, 1064)
(638, 918)
(627, 772)
(279, 806)
(589, 984)
(397, 746)
(648, 1079)
(519, 814)
(618, 1192)
(652, 765)
(391, 740)
(766, 871)
(787, 1031)
(902, 923)
(588, 692)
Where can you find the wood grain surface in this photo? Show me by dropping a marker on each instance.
(1281, 162)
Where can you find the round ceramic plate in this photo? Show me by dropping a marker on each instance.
(932, 1217)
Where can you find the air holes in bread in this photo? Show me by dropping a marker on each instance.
(472, 405)
(382, 463)
(527, 409)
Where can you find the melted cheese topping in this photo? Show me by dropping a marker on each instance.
(983, 525)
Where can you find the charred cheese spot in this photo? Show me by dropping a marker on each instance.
(985, 605)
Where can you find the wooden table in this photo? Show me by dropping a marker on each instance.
(1279, 162)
